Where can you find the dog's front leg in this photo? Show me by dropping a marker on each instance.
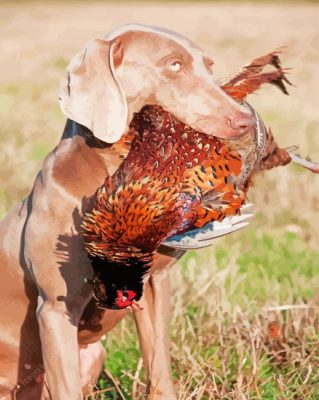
(160, 378)
(153, 328)
(58, 332)
(59, 272)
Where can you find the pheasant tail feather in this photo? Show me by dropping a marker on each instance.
(250, 78)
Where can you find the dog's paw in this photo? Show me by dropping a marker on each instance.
(162, 390)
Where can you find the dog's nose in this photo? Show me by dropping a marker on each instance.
(242, 122)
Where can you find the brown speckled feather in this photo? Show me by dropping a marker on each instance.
(173, 179)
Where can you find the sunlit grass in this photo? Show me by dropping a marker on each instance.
(228, 338)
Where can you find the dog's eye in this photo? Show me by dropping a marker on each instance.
(176, 66)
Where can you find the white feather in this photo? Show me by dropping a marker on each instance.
(203, 237)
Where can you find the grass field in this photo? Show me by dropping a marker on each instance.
(245, 315)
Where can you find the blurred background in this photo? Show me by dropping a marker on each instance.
(245, 311)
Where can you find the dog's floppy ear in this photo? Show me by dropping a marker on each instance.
(90, 93)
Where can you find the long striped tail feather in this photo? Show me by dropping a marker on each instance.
(303, 162)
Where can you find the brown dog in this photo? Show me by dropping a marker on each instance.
(45, 300)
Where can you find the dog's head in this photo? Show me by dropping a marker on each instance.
(138, 65)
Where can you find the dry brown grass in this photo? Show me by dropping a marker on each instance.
(226, 342)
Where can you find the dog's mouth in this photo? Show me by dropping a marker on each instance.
(251, 145)
(154, 117)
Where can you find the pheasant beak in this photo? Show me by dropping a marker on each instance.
(136, 306)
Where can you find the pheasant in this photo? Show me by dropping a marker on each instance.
(173, 180)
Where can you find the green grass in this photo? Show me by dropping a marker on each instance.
(221, 334)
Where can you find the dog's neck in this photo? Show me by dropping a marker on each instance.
(88, 159)
(73, 129)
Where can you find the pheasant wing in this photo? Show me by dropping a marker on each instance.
(205, 236)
